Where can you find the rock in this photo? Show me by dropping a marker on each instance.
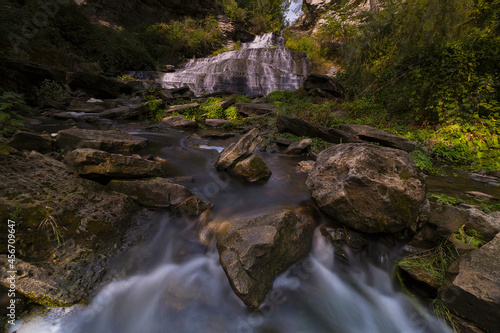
(449, 219)
(342, 236)
(282, 141)
(482, 196)
(299, 127)
(97, 85)
(98, 164)
(215, 122)
(385, 139)
(305, 166)
(161, 193)
(115, 141)
(253, 252)
(299, 147)
(221, 136)
(179, 122)
(368, 188)
(166, 95)
(133, 111)
(472, 286)
(252, 169)
(325, 84)
(30, 141)
(85, 107)
(183, 107)
(241, 149)
(90, 220)
(182, 92)
(254, 109)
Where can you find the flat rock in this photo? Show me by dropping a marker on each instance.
(179, 122)
(97, 163)
(254, 109)
(210, 122)
(239, 150)
(472, 286)
(128, 112)
(299, 127)
(368, 188)
(385, 139)
(299, 147)
(114, 141)
(254, 251)
(183, 108)
(31, 141)
(161, 193)
(252, 169)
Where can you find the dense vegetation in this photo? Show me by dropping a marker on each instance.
(427, 68)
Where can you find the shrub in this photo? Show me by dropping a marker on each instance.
(51, 91)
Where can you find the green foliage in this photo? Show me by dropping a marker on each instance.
(51, 91)
(422, 160)
(231, 113)
(441, 199)
(443, 312)
(188, 38)
(126, 77)
(11, 109)
(469, 237)
(156, 106)
(231, 9)
(434, 262)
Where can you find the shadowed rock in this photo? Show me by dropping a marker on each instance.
(241, 149)
(252, 169)
(115, 141)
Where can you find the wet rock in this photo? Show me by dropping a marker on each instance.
(115, 141)
(183, 108)
(85, 107)
(385, 139)
(221, 136)
(133, 111)
(166, 95)
(216, 122)
(239, 150)
(252, 169)
(368, 188)
(254, 251)
(179, 122)
(31, 141)
(305, 166)
(449, 219)
(329, 86)
(94, 163)
(342, 236)
(299, 147)
(472, 286)
(482, 196)
(254, 109)
(299, 127)
(282, 141)
(90, 221)
(161, 193)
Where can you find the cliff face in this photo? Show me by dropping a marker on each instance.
(127, 13)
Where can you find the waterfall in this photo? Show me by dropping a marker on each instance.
(259, 67)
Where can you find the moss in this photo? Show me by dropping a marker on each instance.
(5, 149)
(48, 301)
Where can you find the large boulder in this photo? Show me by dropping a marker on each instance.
(299, 147)
(252, 169)
(114, 141)
(253, 252)
(95, 163)
(368, 188)
(84, 225)
(161, 193)
(472, 286)
(97, 85)
(31, 141)
(385, 139)
(239, 150)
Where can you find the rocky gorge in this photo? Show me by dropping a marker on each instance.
(152, 205)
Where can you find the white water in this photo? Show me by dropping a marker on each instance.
(193, 295)
(259, 67)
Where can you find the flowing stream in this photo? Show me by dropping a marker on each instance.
(258, 67)
(171, 281)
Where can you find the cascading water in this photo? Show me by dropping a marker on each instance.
(259, 67)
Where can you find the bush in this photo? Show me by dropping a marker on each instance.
(51, 91)
(12, 107)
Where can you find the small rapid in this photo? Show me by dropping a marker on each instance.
(258, 67)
